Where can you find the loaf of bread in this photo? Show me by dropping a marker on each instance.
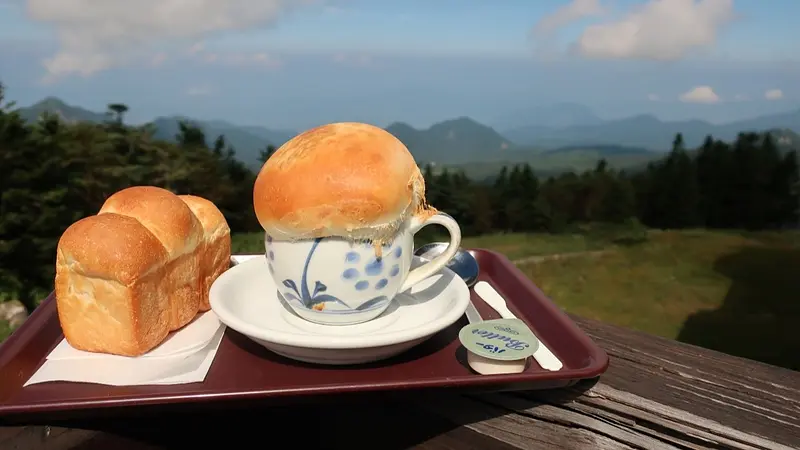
(138, 269)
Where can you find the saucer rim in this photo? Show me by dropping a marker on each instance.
(451, 315)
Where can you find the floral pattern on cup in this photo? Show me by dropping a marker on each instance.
(362, 279)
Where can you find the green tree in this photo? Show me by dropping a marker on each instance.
(117, 112)
(263, 155)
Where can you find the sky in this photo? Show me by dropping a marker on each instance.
(299, 63)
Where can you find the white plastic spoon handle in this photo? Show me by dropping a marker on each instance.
(543, 355)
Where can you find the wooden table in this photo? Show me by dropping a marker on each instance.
(657, 394)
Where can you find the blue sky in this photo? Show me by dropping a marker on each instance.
(298, 63)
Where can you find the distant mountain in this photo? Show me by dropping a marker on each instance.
(453, 141)
(67, 113)
(481, 151)
(576, 158)
(559, 115)
(646, 131)
(276, 137)
(248, 141)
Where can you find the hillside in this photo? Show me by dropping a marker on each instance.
(646, 131)
(454, 141)
(67, 113)
(554, 162)
(247, 140)
(566, 137)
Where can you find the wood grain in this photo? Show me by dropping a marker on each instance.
(657, 394)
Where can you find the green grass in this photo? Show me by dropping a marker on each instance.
(733, 292)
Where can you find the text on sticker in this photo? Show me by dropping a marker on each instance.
(511, 343)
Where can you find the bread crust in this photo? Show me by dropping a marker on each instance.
(109, 294)
(138, 269)
(162, 212)
(173, 223)
(92, 247)
(343, 179)
(215, 251)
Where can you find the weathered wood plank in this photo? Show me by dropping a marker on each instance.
(742, 394)
(657, 394)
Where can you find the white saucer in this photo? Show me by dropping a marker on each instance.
(245, 299)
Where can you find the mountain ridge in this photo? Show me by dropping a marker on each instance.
(464, 141)
(647, 131)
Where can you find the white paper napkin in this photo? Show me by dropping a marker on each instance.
(184, 357)
(191, 338)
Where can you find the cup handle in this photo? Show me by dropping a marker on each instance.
(436, 264)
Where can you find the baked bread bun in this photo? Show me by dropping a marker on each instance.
(215, 253)
(137, 270)
(343, 179)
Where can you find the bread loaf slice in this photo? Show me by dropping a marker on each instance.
(215, 253)
(137, 270)
(179, 231)
(109, 286)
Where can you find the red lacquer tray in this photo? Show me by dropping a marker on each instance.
(245, 371)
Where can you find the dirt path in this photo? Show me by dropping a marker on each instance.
(559, 256)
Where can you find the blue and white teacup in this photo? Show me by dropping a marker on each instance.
(335, 281)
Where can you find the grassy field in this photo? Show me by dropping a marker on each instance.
(733, 292)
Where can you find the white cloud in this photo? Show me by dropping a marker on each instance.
(700, 94)
(653, 97)
(773, 94)
(658, 30)
(572, 12)
(96, 35)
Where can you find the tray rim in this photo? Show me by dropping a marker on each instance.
(599, 362)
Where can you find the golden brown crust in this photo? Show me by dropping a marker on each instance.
(216, 244)
(343, 179)
(173, 223)
(210, 217)
(160, 211)
(94, 248)
(138, 269)
(108, 293)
